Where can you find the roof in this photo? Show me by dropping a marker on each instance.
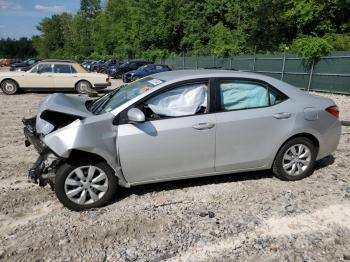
(183, 75)
(58, 60)
(201, 73)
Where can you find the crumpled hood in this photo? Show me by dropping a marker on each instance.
(60, 103)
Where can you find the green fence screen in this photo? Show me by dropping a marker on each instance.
(330, 74)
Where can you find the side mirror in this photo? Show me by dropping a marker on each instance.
(135, 115)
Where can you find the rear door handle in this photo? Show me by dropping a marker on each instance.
(203, 126)
(282, 115)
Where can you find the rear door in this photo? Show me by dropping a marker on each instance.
(168, 147)
(64, 76)
(252, 120)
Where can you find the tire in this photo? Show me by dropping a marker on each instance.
(9, 87)
(83, 87)
(91, 194)
(134, 78)
(303, 163)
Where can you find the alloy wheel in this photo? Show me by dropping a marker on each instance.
(296, 159)
(86, 185)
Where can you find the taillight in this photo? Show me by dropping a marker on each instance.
(333, 110)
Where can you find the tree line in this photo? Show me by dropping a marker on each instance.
(162, 28)
(17, 48)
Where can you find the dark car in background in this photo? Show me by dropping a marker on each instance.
(94, 67)
(143, 71)
(24, 66)
(118, 71)
(103, 68)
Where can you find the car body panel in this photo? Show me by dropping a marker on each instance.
(186, 151)
(169, 149)
(244, 137)
(51, 80)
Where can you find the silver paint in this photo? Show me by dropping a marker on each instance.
(174, 148)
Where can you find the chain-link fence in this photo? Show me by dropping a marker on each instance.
(330, 74)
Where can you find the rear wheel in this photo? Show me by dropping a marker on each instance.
(85, 185)
(9, 87)
(295, 160)
(83, 87)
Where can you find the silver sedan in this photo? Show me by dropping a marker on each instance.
(178, 125)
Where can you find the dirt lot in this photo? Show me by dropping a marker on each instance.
(242, 217)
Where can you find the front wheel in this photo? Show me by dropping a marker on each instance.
(295, 160)
(9, 87)
(82, 185)
(134, 78)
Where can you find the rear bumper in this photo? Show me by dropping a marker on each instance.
(100, 86)
(330, 140)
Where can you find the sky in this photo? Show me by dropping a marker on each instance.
(20, 17)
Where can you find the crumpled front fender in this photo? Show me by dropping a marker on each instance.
(95, 135)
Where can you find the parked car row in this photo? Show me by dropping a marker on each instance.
(127, 71)
(8, 62)
(24, 65)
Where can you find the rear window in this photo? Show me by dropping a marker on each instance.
(63, 69)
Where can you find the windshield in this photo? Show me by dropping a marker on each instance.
(122, 95)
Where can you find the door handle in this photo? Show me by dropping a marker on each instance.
(283, 115)
(203, 126)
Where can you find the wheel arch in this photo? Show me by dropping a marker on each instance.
(81, 80)
(9, 78)
(78, 155)
(309, 136)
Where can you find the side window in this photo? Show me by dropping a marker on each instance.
(45, 68)
(185, 100)
(235, 95)
(62, 69)
(72, 69)
(276, 97)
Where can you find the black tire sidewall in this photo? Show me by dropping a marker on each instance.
(278, 169)
(65, 169)
(13, 83)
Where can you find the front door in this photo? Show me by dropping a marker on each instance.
(177, 140)
(41, 76)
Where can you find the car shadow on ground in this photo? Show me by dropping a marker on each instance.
(202, 181)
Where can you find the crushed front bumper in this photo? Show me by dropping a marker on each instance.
(45, 166)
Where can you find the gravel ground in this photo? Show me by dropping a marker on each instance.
(241, 217)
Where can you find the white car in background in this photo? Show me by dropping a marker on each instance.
(53, 75)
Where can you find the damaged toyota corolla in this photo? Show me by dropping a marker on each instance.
(177, 125)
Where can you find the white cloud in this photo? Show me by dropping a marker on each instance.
(57, 9)
(9, 5)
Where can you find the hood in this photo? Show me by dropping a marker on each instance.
(131, 72)
(58, 110)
